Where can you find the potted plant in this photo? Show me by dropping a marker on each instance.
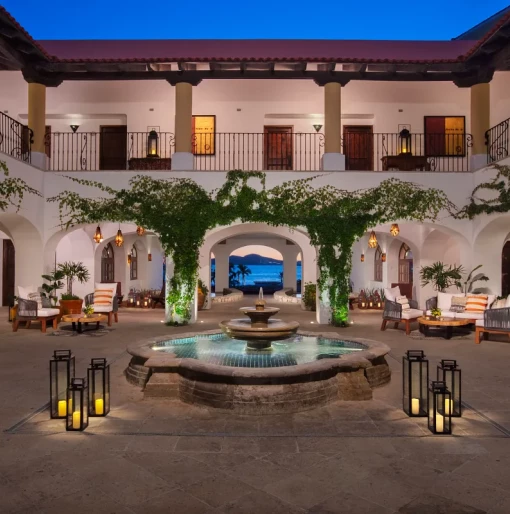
(310, 296)
(441, 276)
(435, 313)
(88, 311)
(202, 294)
(55, 283)
(70, 303)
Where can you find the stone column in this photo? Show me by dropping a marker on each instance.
(333, 160)
(183, 156)
(290, 267)
(480, 123)
(37, 122)
(222, 258)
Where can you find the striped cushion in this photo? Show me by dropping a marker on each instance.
(103, 295)
(36, 297)
(402, 300)
(476, 303)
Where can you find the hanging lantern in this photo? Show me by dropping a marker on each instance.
(140, 231)
(152, 144)
(119, 238)
(149, 257)
(449, 373)
(77, 399)
(395, 230)
(440, 417)
(98, 236)
(99, 387)
(61, 373)
(415, 373)
(404, 139)
(383, 257)
(362, 257)
(372, 240)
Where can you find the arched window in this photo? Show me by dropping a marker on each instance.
(405, 265)
(378, 273)
(107, 264)
(133, 267)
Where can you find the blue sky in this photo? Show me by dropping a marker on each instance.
(227, 19)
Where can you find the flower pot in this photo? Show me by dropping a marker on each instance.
(201, 299)
(71, 306)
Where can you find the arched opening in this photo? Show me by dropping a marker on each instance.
(505, 269)
(378, 265)
(108, 264)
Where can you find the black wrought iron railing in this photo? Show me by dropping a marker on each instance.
(497, 140)
(258, 151)
(15, 138)
(93, 151)
(417, 152)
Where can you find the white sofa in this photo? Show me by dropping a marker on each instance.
(443, 301)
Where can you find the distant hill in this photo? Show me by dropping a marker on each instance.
(253, 258)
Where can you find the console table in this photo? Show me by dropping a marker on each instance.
(405, 162)
(149, 163)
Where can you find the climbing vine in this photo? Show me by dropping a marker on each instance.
(12, 190)
(181, 212)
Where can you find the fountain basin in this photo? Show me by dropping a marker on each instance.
(292, 377)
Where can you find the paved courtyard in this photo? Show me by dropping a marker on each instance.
(162, 456)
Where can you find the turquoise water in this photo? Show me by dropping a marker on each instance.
(221, 350)
(266, 273)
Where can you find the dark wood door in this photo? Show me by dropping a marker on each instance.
(277, 148)
(505, 270)
(8, 272)
(113, 147)
(359, 147)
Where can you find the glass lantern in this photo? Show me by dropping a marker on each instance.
(99, 387)
(449, 373)
(415, 373)
(440, 418)
(404, 141)
(77, 399)
(152, 144)
(61, 373)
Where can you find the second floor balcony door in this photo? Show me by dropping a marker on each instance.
(358, 147)
(113, 147)
(277, 148)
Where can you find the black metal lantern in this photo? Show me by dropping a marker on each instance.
(404, 140)
(77, 399)
(152, 144)
(449, 373)
(440, 418)
(99, 387)
(415, 372)
(61, 373)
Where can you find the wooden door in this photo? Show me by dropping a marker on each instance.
(505, 270)
(113, 147)
(277, 148)
(8, 272)
(359, 147)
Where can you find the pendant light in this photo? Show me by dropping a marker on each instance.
(372, 240)
(119, 238)
(140, 231)
(395, 230)
(98, 237)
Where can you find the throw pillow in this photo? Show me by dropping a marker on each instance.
(103, 296)
(458, 304)
(476, 303)
(402, 300)
(36, 297)
(499, 304)
(392, 294)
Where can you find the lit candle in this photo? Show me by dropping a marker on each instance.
(62, 408)
(370, 304)
(99, 406)
(448, 406)
(439, 422)
(363, 305)
(145, 303)
(76, 419)
(138, 302)
(415, 406)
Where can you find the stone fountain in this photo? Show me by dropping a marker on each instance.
(259, 331)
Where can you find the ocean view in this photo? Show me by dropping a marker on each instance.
(265, 273)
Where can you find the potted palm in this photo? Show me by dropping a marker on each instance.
(55, 283)
(71, 271)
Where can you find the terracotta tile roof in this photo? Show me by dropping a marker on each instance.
(257, 50)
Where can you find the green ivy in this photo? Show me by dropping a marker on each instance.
(12, 190)
(181, 212)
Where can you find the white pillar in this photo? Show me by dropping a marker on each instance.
(290, 266)
(222, 258)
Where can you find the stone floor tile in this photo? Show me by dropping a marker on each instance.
(343, 503)
(403, 427)
(175, 502)
(300, 490)
(321, 444)
(198, 444)
(222, 460)
(442, 461)
(491, 469)
(12, 498)
(356, 428)
(312, 428)
(259, 502)
(240, 445)
(242, 426)
(155, 443)
(219, 489)
(296, 461)
(258, 473)
(277, 444)
(432, 504)
(378, 445)
(438, 444)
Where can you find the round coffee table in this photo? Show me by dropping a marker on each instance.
(78, 319)
(446, 323)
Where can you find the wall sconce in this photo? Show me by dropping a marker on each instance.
(152, 144)
(98, 236)
(372, 240)
(140, 231)
(395, 230)
(149, 257)
(362, 257)
(129, 258)
(74, 128)
(383, 257)
(317, 127)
